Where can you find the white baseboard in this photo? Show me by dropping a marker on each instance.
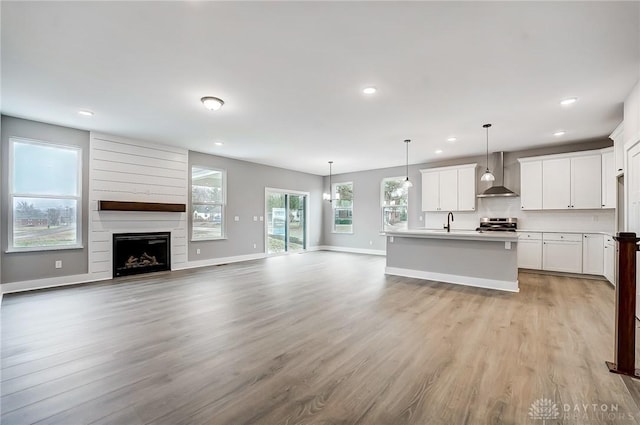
(352, 250)
(221, 260)
(50, 282)
(501, 285)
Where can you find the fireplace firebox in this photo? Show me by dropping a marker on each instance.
(135, 253)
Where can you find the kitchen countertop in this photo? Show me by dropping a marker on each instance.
(455, 235)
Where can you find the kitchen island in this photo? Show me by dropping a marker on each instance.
(485, 260)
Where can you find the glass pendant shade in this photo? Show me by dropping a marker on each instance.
(407, 183)
(487, 176)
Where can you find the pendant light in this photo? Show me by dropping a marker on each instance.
(328, 196)
(407, 183)
(487, 176)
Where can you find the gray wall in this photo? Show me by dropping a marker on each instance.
(20, 266)
(367, 218)
(246, 182)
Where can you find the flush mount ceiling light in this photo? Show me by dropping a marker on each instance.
(327, 196)
(85, 113)
(438, 151)
(407, 183)
(218, 143)
(451, 139)
(559, 133)
(487, 176)
(568, 101)
(212, 103)
(369, 90)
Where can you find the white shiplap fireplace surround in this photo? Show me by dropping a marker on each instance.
(135, 171)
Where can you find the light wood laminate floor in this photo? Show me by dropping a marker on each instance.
(315, 338)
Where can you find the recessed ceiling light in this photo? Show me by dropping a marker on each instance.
(212, 103)
(218, 143)
(559, 133)
(438, 151)
(369, 90)
(85, 113)
(451, 139)
(568, 101)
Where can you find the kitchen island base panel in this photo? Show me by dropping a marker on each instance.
(484, 263)
(502, 285)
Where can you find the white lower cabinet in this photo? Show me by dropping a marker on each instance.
(562, 252)
(593, 254)
(609, 259)
(530, 250)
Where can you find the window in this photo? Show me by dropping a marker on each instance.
(394, 199)
(343, 208)
(45, 192)
(208, 199)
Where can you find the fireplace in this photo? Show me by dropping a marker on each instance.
(135, 253)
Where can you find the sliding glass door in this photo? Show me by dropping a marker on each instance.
(286, 215)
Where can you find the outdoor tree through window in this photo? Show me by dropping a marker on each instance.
(394, 203)
(45, 195)
(343, 208)
(208, 198)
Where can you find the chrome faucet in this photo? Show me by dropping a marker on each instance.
(448, 225)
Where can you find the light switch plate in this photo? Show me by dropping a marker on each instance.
(236, 218)
(255, 218)
(261, 218)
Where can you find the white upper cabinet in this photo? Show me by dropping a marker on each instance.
(467, 189)
(632, 116)
(568, 181)
(556, 184)
(618, 146)
(449, 188)
(608, 179)
(430, 191)
(531, 185)
(586, 182)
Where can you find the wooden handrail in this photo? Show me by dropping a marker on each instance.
(625, 336)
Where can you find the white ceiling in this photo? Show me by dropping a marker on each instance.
(291, 74)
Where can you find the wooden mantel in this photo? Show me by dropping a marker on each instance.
(140, 206)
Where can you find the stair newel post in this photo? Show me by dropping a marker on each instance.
(625, 332)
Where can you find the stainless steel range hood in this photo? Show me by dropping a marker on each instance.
(498, 191)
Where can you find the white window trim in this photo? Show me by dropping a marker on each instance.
(333, 207)
(223, 220)
(383, 205)
(11, 195)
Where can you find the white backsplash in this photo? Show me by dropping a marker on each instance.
(560, 220)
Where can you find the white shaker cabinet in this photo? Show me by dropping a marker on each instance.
(530, 250)
(430, 191)
(449, 188)
(609, 259)
(608, 179)
(586, 182)
(618, 146)
(593, 254)
(556, 183)
(562, 252)
(531, 185)
(467, 188)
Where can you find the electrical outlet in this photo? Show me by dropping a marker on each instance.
(370, 242)
(198, 251)
(236, 218)
(255, 246)
(420, 218)
(58, 264)
(390, 239)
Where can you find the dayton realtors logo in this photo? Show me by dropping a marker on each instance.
(544, 409)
